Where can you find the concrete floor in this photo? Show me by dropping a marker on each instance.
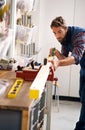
(66, 117)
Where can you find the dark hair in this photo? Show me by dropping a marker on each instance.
(58, 21)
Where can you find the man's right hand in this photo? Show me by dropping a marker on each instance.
(52, 51)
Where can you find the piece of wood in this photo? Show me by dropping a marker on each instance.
(39, 82)
(25, 122)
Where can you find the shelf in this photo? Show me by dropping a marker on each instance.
(24, 34)
(27, 6)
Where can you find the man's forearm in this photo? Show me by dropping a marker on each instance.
(63, 62)
(67, 61)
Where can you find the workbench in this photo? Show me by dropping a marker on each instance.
(20, 113)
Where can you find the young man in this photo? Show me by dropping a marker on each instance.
(72, 39)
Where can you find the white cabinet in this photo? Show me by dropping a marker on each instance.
(68, 78)
(63, 80)
(74, 81)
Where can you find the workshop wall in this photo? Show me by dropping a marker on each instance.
(71, 10)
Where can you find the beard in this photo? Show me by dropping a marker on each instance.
(60, 39)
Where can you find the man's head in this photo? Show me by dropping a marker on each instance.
(59, 28)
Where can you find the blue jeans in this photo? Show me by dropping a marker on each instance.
(80, 125)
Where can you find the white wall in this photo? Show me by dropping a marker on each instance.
(79, 18)
(73, 12)
(48, 11)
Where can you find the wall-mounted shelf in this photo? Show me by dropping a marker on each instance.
(25, 29)
(24, 34)
(20, 41)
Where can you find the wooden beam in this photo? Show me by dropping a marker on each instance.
(25, 120)
(38, 84)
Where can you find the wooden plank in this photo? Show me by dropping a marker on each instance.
(2, 73)
(38, 84)
(25, 120)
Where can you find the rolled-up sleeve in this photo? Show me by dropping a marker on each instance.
(64, 50)
(79, 47)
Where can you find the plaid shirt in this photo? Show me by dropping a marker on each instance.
(74, 43)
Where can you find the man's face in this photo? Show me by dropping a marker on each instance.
(59, 33)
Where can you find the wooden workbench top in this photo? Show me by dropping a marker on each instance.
(22, 100)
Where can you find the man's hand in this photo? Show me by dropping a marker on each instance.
(55, 52)
(54, 62)
(52, 51)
